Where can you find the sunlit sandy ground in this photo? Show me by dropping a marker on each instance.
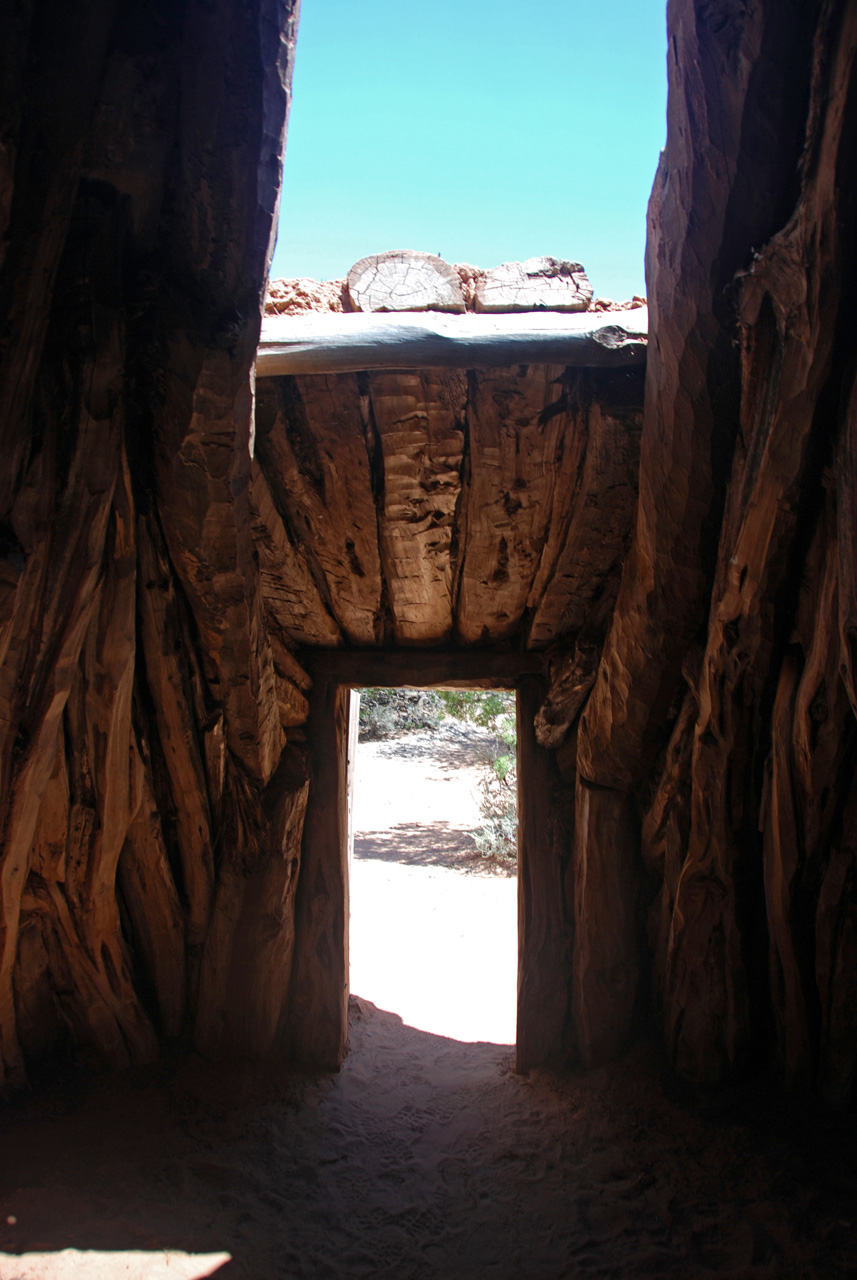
(91, 1264)
(433, 931)
(436, 947)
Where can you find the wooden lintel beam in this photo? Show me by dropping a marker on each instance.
(422, 668)
(332, 343)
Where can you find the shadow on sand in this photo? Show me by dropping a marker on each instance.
(420, 844)
(426, 1158)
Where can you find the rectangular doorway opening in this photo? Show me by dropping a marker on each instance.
(432, 793)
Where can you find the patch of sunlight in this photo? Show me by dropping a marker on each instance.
(437, 947)
(97, 1264)
(433, 936)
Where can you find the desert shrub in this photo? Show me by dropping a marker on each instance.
(498, 792)
(377, 717)
(492, 709)
(386, 713)
(498, 803)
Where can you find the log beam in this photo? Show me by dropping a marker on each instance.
(606, 956)
(544, 932)
(318, 1018)
(331, 343)
(422, 668)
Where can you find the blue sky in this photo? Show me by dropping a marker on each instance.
(482, 131)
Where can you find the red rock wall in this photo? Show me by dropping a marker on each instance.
(730, 657)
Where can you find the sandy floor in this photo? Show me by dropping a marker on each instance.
(425, 1158)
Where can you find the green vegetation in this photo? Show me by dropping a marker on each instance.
(493, 709)
(498, 791)
(387, 713)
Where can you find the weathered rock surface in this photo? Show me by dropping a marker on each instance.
(295, 297)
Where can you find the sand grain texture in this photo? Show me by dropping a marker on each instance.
(425, 1158)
